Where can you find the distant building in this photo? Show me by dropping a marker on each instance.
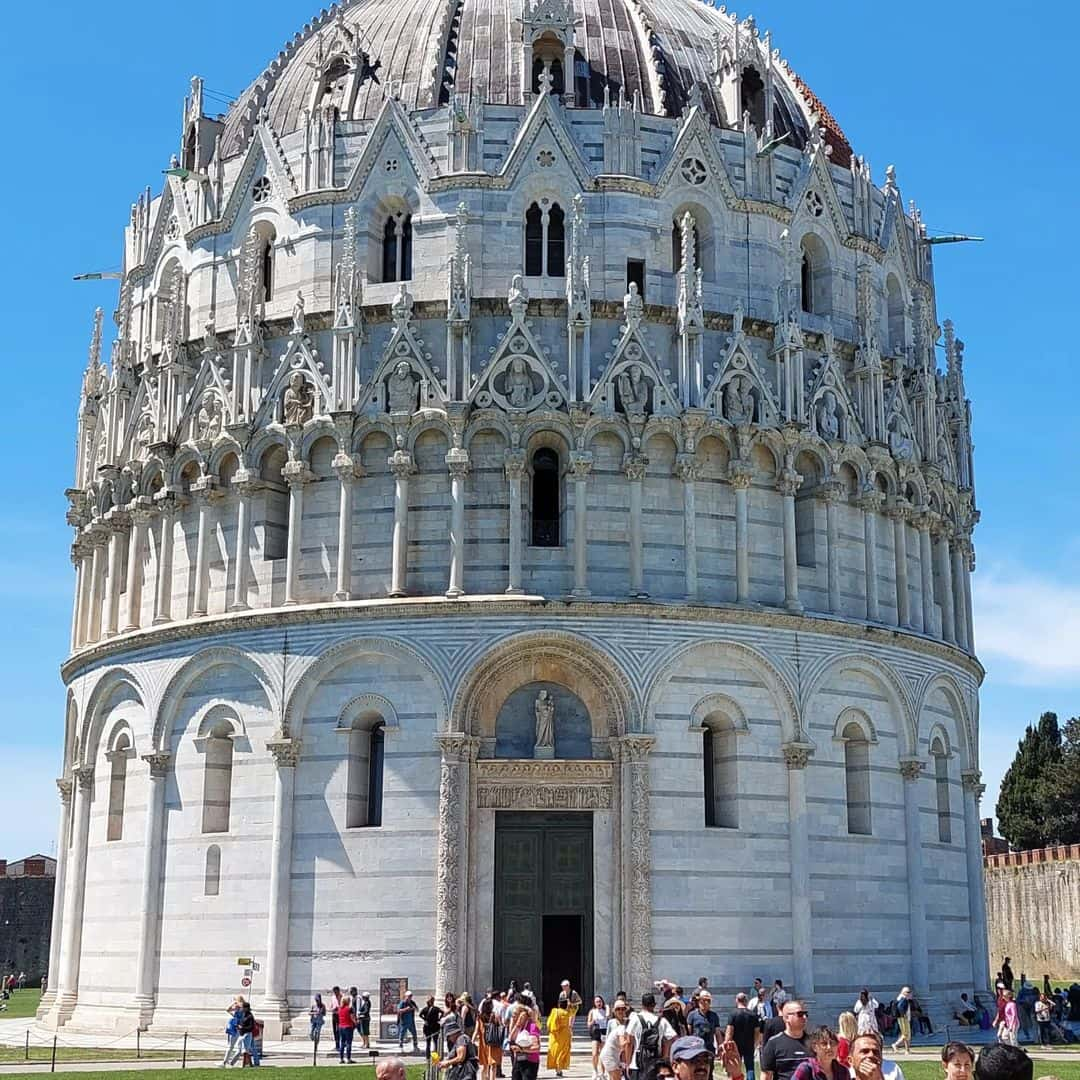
(26, 899)
(991, 844)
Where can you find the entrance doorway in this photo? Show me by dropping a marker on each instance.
(543, 902)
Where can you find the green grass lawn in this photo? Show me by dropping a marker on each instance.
(12, 1055)
(21, 1003)
(931, 1070)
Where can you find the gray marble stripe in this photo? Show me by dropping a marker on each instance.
(702, 954)
(757, 915)
(357, 913)
(743, 835)
(740, 874)
(856, 838)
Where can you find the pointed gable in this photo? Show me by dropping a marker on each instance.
(694, 142)
(739, 367)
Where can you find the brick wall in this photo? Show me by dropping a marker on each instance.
(25, 920)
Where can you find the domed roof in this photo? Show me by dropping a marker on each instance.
(425, 51)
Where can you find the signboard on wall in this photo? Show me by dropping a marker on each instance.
(391, 991)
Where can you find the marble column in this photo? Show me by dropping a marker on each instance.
(202, 491)
(64, 786)
(633, 763)
(580, 467)
(515, 469)
(457, 754)
(832, 494)
(146, 967)
(140, 523)
(787, 485)
(739, 476)
(911, 770)
(973, 790)
(457, 461)
(948, 624)
(401, 465)
(96, 602)
(71, 937)
(275, 1006)
(118, 524)
(347, 470)
(634, 468)
(959, 602)
(898, 515)
(870, 504)
(797, 758)
(926, 570)
(969, 619)
(686, 470)
(246, 487)
(82, 556)
(163, 594)
(296, 475)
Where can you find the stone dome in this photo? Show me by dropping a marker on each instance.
(427, 53)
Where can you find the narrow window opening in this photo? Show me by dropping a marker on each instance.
(390, 250)
(212, 874)
(364, 781)
(857, 774)
(534, 242)
(117, 788)
(941, 784)
(805, 535)
(807, 284)
(375, 776)
(753, 97)
(268, 270)
(707, 739)
(720, 762)
(217, 780)
(545, 499)
(556, 242)
(635, 275)
(189, 149)
(397, 256)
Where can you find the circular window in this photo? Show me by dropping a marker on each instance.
(693, 171)
(815, 205)
(545, 159)
(391, 165)
(172, 229)
(260, 191)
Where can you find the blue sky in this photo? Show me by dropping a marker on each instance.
(973, 102)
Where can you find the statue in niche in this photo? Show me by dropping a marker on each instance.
(545, 719)
(299, 405)
(901, 438)
(519, 384)
(144, 436)
(401, 388)
(518, 297)
(208, 422)
(827, 423)
(739, 400)
(402, 307)
(298, 314)
(633, 305)
(634, 391)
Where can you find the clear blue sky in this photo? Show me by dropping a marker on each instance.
(975, 103)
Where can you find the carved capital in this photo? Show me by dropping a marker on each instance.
(247, 484)
(296, 473)
(740, 474)
(580, 465)
(346, 467)
(870, 500)
(788, 482)
(686, 468)
(84, 776)
(204, 489)
(159, 762)
(401, 464)
(911, 769)
(971, 779)
(514, 463)
(898, 510)
(832, 491)
(797, 755)
(456, 747)
(635, 749)
(634, 467)
(457, 462)
(65, 787)
(285, 751)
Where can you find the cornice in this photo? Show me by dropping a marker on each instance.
(537, 607)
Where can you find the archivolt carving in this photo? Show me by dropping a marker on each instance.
(718, 703)
(363, 704)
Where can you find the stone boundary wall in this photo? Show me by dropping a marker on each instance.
(25, 922)
(1033, 911)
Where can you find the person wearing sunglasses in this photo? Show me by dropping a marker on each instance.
(783, 1053)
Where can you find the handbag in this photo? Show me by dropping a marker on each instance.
(494, 1033)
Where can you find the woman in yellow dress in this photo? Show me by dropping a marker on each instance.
(558, 1025)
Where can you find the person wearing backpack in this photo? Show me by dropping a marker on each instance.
(490, 1034)
(461, 1063)
(652, 1036)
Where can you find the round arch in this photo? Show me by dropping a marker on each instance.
(964, 741)
(97, 708)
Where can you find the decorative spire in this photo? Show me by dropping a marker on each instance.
(347, 284)
(578, 292)
(690, 277)
(460, 269)
(250, 275)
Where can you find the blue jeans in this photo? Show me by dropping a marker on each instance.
(406, 1026)
(345, 1035)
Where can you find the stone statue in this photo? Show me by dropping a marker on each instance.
(298, 314)
(827, 422)
(519, 384)
(901, 439)
(401, 388)
(545, 719)
(518, 297)
(299, 400)
(633, 305)
(144, 435)
(634, 391)
(402, 307)
(739, 400)
(208, 422)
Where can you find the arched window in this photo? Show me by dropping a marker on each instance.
(212, 874)
(816, 283)
(753, 97)
(897, 317)
(275, 505)
(721, 771)
(266, 268)
(545, 241)
(941, 787)
(118, 760)
(217, 778)
(397, 248)
(806, 500)
(857, 774)
(545, 498)
(555, 72)
(807, 284)
(364, 780)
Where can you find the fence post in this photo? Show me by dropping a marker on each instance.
(315, 1050)
(52, 1067)
(26, 1055)
(138, 1043)
(183, 1059)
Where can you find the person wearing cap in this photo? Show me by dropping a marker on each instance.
(618, 1048)
(460, 1059)
(406, 1014)
(691, 1059)
(781, 1055)
(903, 1018)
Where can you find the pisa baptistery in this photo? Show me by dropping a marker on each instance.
(521, 530)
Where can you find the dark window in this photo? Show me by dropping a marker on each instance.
(556, 242)
(635, 275)
(375, 776)
(807, 283)
(189, 149)
(558, 77)
(753, 98)
(389, 250)
(268, 270)
(397, 248)
(534, 242)
(545, 499)
(406, 248)
(710, 778)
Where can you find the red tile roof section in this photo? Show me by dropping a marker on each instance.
(834, 135)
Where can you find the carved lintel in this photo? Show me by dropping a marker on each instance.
(544, 797)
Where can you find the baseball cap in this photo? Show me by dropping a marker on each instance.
(688, 1047)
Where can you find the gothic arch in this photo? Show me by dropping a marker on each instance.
(364, 705)
(327, 662)
(964, 741)
(881, 673)
(541, 430)
(194, 668)
(778, 686)
(537, 655)
(610, 427)
(271, 436)
(97, 708)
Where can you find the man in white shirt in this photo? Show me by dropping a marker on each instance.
(643, 1023)
(760, 1003)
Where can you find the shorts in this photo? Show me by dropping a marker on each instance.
(596, 1033)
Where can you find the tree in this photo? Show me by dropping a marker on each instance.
(1022, 807)
(1061, 789)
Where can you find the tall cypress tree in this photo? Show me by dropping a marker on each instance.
(1061, 789)
(1022, 810)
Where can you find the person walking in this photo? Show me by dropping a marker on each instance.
(618, 1050)
(363, 1020)
(490, 1034)
(1042, 1018)
(865, 1010)
(317, 1013)
(783, 1053)
(652, 1036)
(903, 1018)
(430, 1017)
(346, 1028)
(1007, 973)
(559, 1033)
(525, 1044)
(597, 1022)
(234, 1047)
(1009, 1025)
(335, 1005)
(406, 1014)
(742, 1029)
(705, 1024)
(824, 1065)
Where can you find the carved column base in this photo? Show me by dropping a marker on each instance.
(62, 1010)
(144, 1010)
(794, 607)
(276, 1017)
(580, 594)
(340, 596)
(515, 592)
(397, 594)
(453, 594)
(239, 606)
(129, 629)
(161, 620)
(45, 1005)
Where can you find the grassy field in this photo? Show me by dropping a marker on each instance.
(12, 1055)
(931, 1070)
(22, 1003)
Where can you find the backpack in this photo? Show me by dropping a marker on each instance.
(494, 1033)
(648, 1047)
